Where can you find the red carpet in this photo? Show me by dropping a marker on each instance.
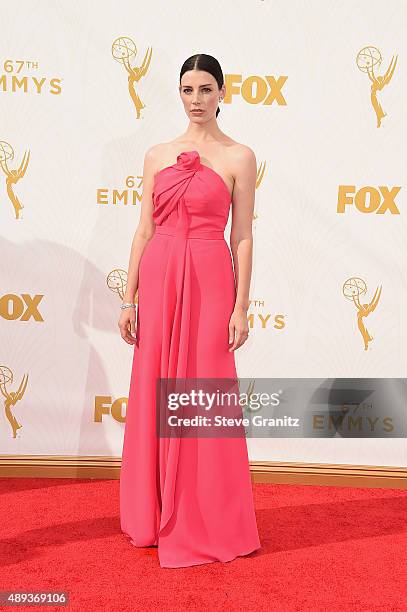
(324, 548)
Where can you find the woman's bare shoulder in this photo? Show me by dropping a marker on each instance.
(240, 153)
(241, 158)
(156, 150)
(160, 154)
(156, 156)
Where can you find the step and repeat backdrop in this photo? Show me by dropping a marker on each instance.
(318, 91)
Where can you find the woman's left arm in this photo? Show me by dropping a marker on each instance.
(241, 241)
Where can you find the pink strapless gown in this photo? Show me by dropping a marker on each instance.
(191, 497)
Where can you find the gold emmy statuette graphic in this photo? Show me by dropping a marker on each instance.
(117, 282)
(12, 176)
(353, 289)
(366, 60)
(123, 49)
(249, 393)
(259, 178)
(11, 397)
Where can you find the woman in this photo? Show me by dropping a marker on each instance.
(191, 497)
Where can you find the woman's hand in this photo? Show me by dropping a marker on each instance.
(127, 325)
(238, 328)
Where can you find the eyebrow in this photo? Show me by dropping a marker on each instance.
(210, 84)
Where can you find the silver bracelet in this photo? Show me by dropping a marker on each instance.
(128, 305)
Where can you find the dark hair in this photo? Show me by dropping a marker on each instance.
(201, 61)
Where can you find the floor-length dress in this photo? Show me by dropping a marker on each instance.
(191, 497)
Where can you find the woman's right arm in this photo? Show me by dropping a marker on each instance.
(144, 233)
